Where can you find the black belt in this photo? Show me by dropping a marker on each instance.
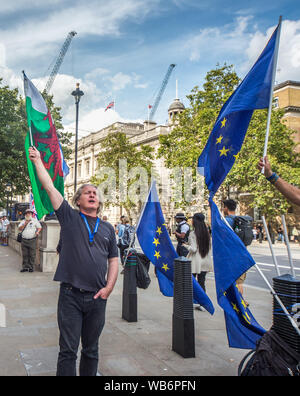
(71, 287)
(30, 239)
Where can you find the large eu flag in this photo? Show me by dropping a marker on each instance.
(156, 244)
(225, 141)
(231, 258)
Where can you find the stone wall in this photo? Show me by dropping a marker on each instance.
(46, 257)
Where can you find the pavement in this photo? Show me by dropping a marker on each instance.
(29, 342)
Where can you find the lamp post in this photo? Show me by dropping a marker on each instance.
(77, 95)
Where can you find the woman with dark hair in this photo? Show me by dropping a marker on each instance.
(199, 247)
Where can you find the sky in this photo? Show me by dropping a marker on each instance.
(123, 49)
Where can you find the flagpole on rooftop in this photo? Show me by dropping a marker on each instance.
(272, 89)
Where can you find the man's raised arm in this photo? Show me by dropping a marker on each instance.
(291, 192)
(45, 179)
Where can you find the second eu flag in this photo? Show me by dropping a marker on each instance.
(156, 244)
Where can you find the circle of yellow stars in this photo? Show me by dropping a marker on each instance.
(156, 242)
(224, 151)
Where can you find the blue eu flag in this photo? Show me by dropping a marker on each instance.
(156, 244)
(225, 141)
(231, 258)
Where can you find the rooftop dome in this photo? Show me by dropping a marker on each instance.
(176, 105)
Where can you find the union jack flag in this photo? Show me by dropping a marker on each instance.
(110, 105)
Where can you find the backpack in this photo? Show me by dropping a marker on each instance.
(243, 226)
(128, 237)
(273, 357)
(142, 276)
(186, 237)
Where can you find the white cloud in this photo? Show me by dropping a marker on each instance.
(289, 50)
(219, 42)
(38, 35)
(236, 44)
(120, 81)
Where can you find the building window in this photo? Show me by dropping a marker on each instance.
(276, 103)
(79, 170)
(87, 168)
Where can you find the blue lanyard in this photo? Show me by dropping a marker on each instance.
(91, 234)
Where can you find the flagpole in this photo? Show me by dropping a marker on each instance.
(270, 245)
(30, 132)
(286, 239)
(291, 319)
(139, 220)
(276, 51)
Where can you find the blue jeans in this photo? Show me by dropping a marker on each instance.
(79, 316)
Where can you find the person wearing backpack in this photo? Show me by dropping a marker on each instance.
(182, 234)
(229, 209)
(126, 239)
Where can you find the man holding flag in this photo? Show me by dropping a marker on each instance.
(231, 258)
(88, 260)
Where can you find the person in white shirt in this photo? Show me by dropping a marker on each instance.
(1, 226)
(30, 228)
(199, 248)
(181, 234)
(5, 225)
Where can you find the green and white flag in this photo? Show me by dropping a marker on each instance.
(42, 135)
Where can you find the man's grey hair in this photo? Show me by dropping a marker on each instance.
(78, 193)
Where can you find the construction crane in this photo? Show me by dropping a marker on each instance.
(161, 91)
(59, 60)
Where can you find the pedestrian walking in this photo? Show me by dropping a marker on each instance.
(5, 230)
(181, 234)
(295, 234)
(1, 227)
(199, 250)
(280, 237)
(87, 270)
(31, 229)
(229, 209)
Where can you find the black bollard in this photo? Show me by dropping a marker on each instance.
(288, 290)
(129, 301)
(183, 332)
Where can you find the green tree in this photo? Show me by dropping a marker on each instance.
(13, 130)
(185, 143)
(117, 147)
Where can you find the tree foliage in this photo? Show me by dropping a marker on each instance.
(117, 147)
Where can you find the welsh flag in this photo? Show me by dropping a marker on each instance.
(42, 135)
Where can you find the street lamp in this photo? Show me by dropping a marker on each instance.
(77, 95)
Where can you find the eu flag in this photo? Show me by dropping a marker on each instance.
(231, 260)
(226, 139)
(156, 244)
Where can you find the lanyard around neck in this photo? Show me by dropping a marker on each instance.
(91, 234)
